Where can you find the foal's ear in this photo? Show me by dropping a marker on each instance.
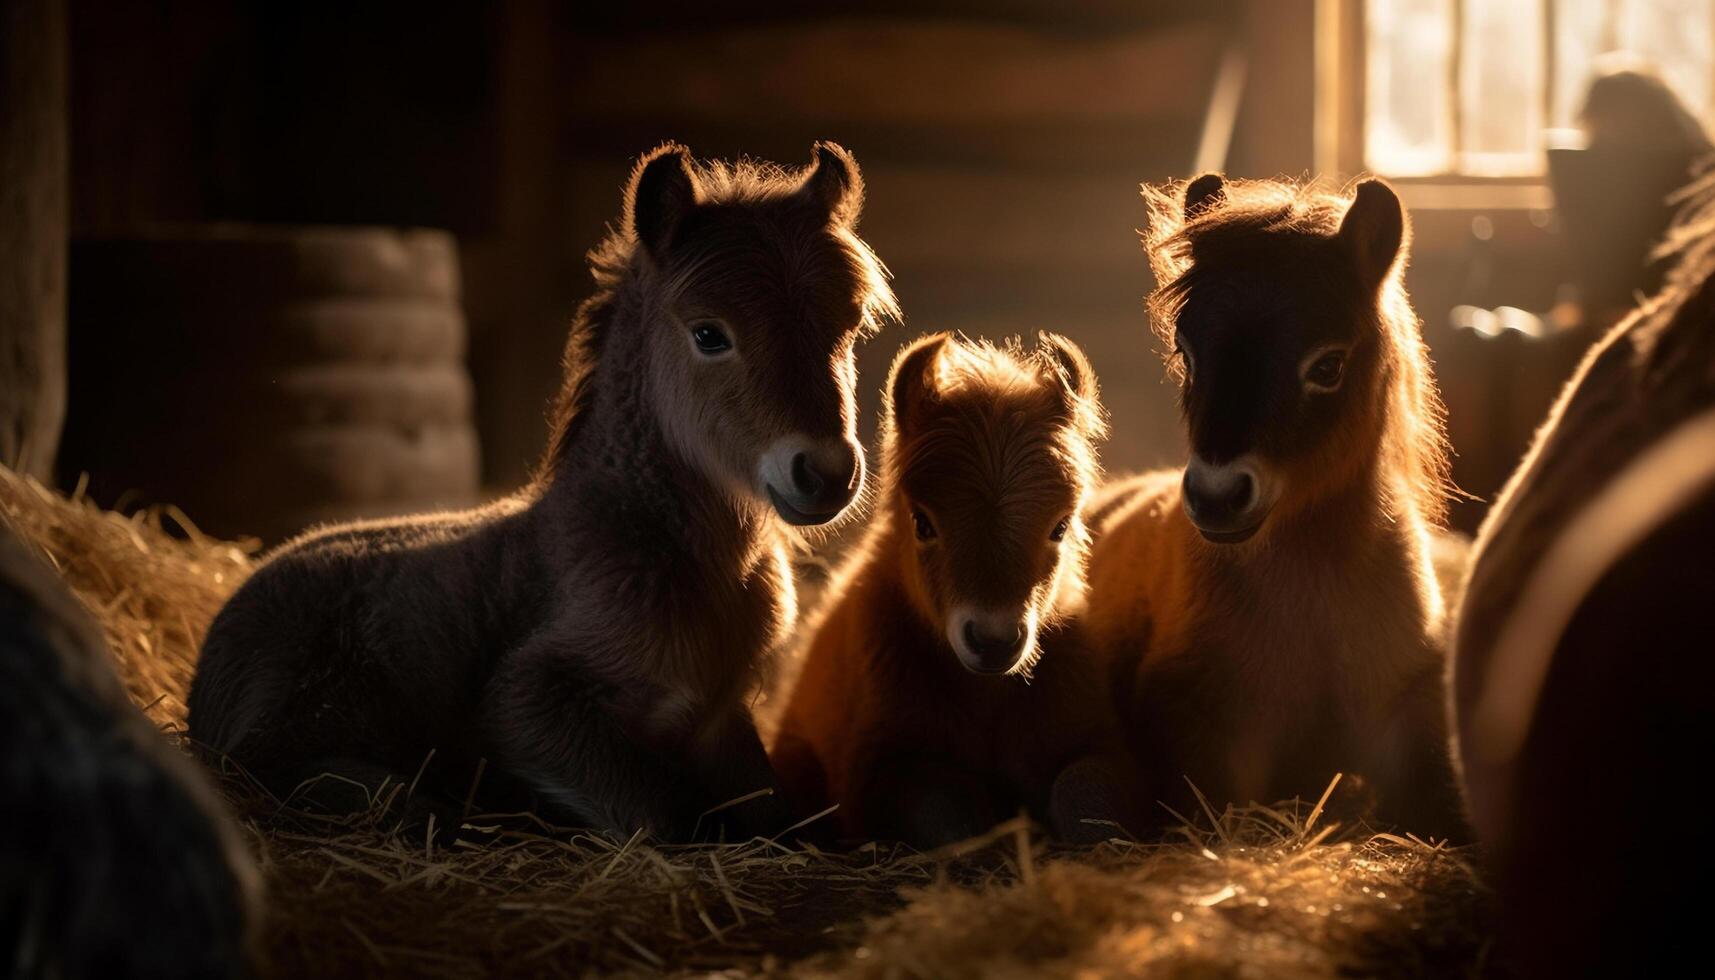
(1373, 231)
(911, 382)
(833, 184)
(663, 191)
(1075, 379)
(1203, 193)
(1074, 370)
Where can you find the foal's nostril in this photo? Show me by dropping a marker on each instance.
(805, 479)
(1244, 493)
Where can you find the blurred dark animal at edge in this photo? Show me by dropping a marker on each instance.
(1582, 658)
(118, 859)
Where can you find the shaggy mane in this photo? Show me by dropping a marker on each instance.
(1688, 293)
(1256, 215)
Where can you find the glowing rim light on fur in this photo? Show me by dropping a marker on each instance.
(1033, 645)
(1633, 505)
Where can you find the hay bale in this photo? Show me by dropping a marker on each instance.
(320, 371)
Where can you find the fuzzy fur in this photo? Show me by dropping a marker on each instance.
(994, 446)
(594, 638)
(1259, 670)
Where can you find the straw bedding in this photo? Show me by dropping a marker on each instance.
(1280, 891)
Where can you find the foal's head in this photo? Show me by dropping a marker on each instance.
(1300, 360)
(754, 290)
(991, 455)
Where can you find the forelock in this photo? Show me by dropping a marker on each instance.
(993, 403)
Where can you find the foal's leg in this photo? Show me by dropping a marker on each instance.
(801, 774)
(732, 764)
(1095, 798)
(559, 729)
(1415, 781)
(925, 801)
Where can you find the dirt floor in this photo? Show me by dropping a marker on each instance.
(1281, 891)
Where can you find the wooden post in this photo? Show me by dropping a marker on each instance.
(33, 216)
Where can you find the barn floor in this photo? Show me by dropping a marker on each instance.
(1262, 891)
(1269, 894)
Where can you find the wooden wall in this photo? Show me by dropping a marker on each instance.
(305, 112)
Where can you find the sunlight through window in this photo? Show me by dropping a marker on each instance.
(1469, 87)
(1410, 117)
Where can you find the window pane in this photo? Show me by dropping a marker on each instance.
(1581, 32)
(1408, 122)
(1500, 87)
(1676, 36)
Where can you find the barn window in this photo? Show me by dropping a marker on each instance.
(1468, 88)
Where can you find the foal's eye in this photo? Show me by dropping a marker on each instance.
(921, 524)
(1059, 531)
(1327, 370)
(1184, 354)
(710, 338)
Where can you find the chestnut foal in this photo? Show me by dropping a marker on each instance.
(1273, 605)
(923, 708)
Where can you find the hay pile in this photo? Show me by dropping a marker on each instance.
(1262, 893)
(1265, 892)
(153, 593)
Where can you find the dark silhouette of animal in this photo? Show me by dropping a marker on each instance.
(594, 637)
(1272, 608)
(1582, 649)
(117, 860)
(1612, 196)
(923, 709)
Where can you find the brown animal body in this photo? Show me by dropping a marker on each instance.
(1273, 606)
(923, 709)
(1582, 655)
(594, 638)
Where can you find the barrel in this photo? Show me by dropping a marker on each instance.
(264, 379)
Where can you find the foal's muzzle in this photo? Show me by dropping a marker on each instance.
(1229, 502)
(991, 641)
(812, 481)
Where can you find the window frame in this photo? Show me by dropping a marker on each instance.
(1339, 144)
(1341, 61)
